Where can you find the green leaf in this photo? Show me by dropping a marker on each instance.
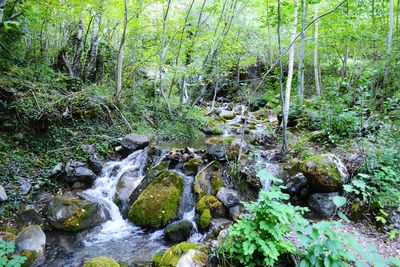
(339, 201)
(343, 217)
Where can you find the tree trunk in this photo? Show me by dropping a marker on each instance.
(316, 59)
(2, 6)
(118, 82)
(281, 75)
(389, 41)
(269, 37)
(300, 88)
(343, 71)
(290, 69)
(76, 64)
(94, 48)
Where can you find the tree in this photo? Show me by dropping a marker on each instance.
(389, 41)
(300, 88)
(316, 57)
(118, 83)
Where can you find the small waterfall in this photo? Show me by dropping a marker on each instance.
(104, 190)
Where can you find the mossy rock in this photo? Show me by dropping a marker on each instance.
(205, 219)
(158, 204)
(157, 258)
(223, 148)
(171, 257)
(201, 185)
(216, 183)
(209, 207)
(101, 262)
(192, 165)
(325, 173)
(179, 231)
(72, 213)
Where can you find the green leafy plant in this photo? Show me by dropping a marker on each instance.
(7, 257)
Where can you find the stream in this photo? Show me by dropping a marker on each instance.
(120, 239)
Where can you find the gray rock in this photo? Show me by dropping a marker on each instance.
(29, 217)
(192, 258)
(179, 231)
(229, 197)
(25, 187)
(322, 203)
(235, 212)
(296, 184)
(57, 171)
(31, 238)
(89, 149)
(3, 195)
(77, 171)
(394, 218)
(95, 163)
(133, 142)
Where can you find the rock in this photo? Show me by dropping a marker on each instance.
(223, 148)
(325, 173)
(77, 171)
(192, 166)
(192, 258)
(31, 242)
(29, 217)
(71, 213)
(133, 142)
(216, 226)
(158, 204)
(25, 186)
(394, 219)
(262, 138)
(101, 262)
(172, 256)
(178, 232)
(95, 163)
(228, 115)
(57, 171)
(209, 207)
(248, 174)
(89, 149)
(235, 212)
(229, 197)
(208, 181)
(3, 195)
(296, 184)
(322, 203)
(19, 136)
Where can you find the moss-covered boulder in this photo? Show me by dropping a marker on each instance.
(158, 204)
(224, 148)
(72, 213)
(192, 166)
(30, 242)
(324, 173)
(229, 115)
(209, 207)
(208, 181)
(101, 262)
(193, 258)
(172, 256)
(179, 231)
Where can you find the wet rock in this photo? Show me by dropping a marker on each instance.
(228, 115)
(25, 186)
(57, 171)
(89, 149)
(235, 212)
(223, 148)
(248, 174)
(77, 171)
(101, 262)
(394, 219)
(192, 166)
(3, 195)
(322, 203)
(208, 181)
(217, 225)
(71, 213)
(158, 204)
(192, 258)
(133, 142)
(325, 173)
(31, 242)
(209, 207)
(296, 184)
(263, 138)
(29, 217)
(172, 256)
(178, 232)
(229, 197)
(95, 163)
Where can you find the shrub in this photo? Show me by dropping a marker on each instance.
(7, 256)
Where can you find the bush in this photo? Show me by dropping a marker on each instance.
(7, 256)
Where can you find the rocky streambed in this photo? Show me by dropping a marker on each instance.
(172, 198)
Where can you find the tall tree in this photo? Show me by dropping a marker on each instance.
(94, 48)
(389, 41)
(316, 56)
(118, 84)
(300, 88)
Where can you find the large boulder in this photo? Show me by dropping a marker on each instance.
(179, 231)
(77, 171)
(325, 173)
(158, 204)
(95, 163)
(101, 262)
(172, 256)
(224, 148)
(229, 197)
(31, 242)
(71, 213)
(133, 142)
(3, 195)
(323, 204)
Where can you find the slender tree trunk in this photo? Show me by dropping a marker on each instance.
(343, 72)
(316, 57)
(284, 145)
(163, 51)
(118, 84)
(270, 56)
(300, 88)
(290, 69)
(389, 42)
(94, 48)
(76, 64)
(2, 6)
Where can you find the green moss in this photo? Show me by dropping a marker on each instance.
(208, 202)
(216, 183)
(205, 219)
(101, 262)
(200, 184)
(157, 258)
(171, 257)
(74, 222)
(192, 165)
(220, 140)
(158, 204)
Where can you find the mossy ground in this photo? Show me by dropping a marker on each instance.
(158, 204)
